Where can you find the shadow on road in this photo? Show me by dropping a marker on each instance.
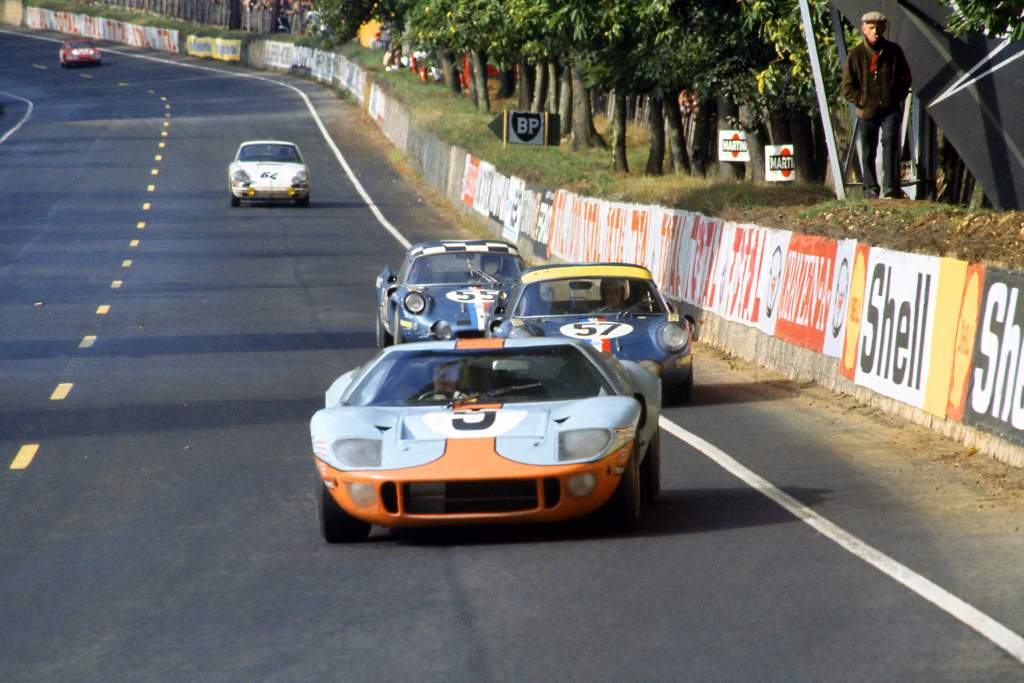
(677, 512)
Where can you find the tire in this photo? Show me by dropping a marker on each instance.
(383, 337)
(396, 329)
(336, 525)
(685, 393)
(304, 202)
(622, 512)
(235, 201)
(650, 471)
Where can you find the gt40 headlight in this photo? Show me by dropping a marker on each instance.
(671, 337)
(415, 303)
(241, 176)
(592, 443)
(358, 452)
(300, 178)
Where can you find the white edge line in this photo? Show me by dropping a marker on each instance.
(24, 118)
(385, 223)
(991, 629)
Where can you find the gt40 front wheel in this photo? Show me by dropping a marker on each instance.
(337, 525)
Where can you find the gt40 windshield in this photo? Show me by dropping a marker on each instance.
(554, 373)
(463, 267)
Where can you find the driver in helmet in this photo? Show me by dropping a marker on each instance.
(613, 293)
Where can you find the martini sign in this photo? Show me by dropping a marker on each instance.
(779, 163)
(732, 146)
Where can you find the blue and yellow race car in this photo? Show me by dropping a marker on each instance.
(443, 290)
(616, 307)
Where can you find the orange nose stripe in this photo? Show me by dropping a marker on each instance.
(480, 343)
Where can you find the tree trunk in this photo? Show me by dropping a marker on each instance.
(539, 86)
(619, 130)
(727, 111)
(565, 101)
(583, 133)
(508, 83)
(656, 126)
(234, 14)
(755, 143)
(448, 71)
(275, 12)
(552, 105)
(676, 140)
(524, 85)
(479, 62)
(803, 147)
(702, 129)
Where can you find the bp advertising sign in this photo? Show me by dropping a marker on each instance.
(527, 128)
(732, 146)
(779, 164)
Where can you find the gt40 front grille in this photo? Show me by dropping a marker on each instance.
(467, 497)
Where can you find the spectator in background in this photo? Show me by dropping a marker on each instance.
(876, 79)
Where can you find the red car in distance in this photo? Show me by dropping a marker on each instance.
(79, 51)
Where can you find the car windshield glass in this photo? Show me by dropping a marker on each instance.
(284, 154)
(516, 375)
(585, 296)
(456, 267)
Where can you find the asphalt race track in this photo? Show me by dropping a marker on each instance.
(165, 528)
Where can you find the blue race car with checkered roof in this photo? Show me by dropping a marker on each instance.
(444, 289)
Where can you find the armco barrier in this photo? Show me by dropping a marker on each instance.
(935, 340)
(165, 40)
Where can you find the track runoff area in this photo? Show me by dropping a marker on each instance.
(1008, 640)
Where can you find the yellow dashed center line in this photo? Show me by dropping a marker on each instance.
(150, 188)
(39, 66)
(145, 206)
(158, 157)
(62, 391)
(163, 133)
(24, 456)
(86, 76)
(122, 84)
(162, 145)
(141, 225)
(163, 98)
(127, 263)
(155, 171)
(133, 244)
(116, 284)
(87, 341)
(167, 115)
(151, 92)
(167, 124)
(103, 310)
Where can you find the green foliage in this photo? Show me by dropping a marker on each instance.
(996, 18)
(786, 83)
(344, 17)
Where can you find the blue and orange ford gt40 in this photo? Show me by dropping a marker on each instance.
(616, 307)
(476, 431)
(443, 290)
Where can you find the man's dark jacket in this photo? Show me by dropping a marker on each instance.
(876, 92)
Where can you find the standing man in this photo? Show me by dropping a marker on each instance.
(876, 79)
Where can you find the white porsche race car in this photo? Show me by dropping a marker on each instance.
(268, 170)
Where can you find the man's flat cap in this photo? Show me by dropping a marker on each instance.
(873, 18)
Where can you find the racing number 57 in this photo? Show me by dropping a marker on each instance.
(595, 329)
